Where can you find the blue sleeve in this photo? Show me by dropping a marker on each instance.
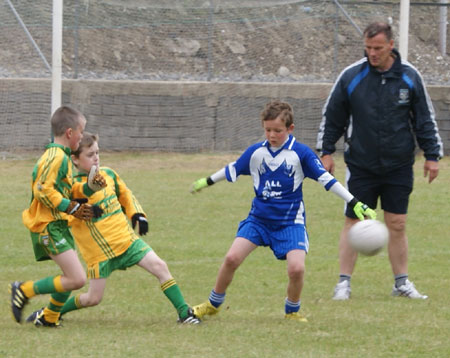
(242, 165)
(313, 168)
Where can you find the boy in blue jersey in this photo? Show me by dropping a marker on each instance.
(278, 167)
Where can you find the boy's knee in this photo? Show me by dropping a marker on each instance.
(162, 265)
(78, 282)
(296, 271)
(159, 267)
(92, 301)
(232, 261)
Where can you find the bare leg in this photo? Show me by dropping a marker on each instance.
(398, 242)
(347, 256)
(156, 266)
(237, 253)
(95, 293)
(296, 272)
(73, 276)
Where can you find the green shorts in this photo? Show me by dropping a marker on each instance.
(131, 257)
(55, 239)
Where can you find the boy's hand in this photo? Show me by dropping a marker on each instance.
(80, 209)
(198, 185)
(361, 210)
(96, 181)
(143, 223)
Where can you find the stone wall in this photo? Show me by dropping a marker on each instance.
(172, 116)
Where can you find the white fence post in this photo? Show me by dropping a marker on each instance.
(404, 28)
(443, 18)
(57, 19)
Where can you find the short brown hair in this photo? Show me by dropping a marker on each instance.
(278, 109)
(376, 28)
(64, 118)
(87, 140)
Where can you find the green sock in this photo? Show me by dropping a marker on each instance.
(45, 285)
(173, 293)
(53, 309)
(72, 304)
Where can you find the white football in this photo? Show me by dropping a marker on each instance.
(368, 237)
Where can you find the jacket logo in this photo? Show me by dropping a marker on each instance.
(403, 96)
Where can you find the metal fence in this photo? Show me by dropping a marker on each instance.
(307, 41)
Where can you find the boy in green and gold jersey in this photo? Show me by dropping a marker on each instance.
(109, 243)
(47, 219)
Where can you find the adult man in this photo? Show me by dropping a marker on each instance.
(380, 104)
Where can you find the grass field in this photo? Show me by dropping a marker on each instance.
(192, 233)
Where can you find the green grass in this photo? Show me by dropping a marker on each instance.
(192, 233)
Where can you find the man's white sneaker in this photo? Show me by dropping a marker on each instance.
(342, 291)
(408, 290)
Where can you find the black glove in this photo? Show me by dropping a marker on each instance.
(97, 210)
(143, 223)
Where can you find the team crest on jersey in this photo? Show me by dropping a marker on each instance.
(287, 168)
(263, 167)
(403, 96)
(45, 240)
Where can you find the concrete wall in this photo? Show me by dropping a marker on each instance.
(172, 116)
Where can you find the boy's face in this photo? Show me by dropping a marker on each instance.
(276, 131)
(74, 135)
(88, 157)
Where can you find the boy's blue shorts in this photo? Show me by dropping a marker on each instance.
(280, 238)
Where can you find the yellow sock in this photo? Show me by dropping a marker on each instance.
(53, 310)
(58, 285)
(51, 316)
(27, 288)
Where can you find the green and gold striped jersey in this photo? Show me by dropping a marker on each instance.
(110, 235)
(51, 187)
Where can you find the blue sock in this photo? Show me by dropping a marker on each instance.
(290, 307)
(216, 299)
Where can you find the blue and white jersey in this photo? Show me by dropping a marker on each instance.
(278, 179)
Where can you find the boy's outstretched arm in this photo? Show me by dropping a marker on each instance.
(201, 183)
(360, 209)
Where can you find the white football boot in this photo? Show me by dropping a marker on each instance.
(408, 290)
(342, 291)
